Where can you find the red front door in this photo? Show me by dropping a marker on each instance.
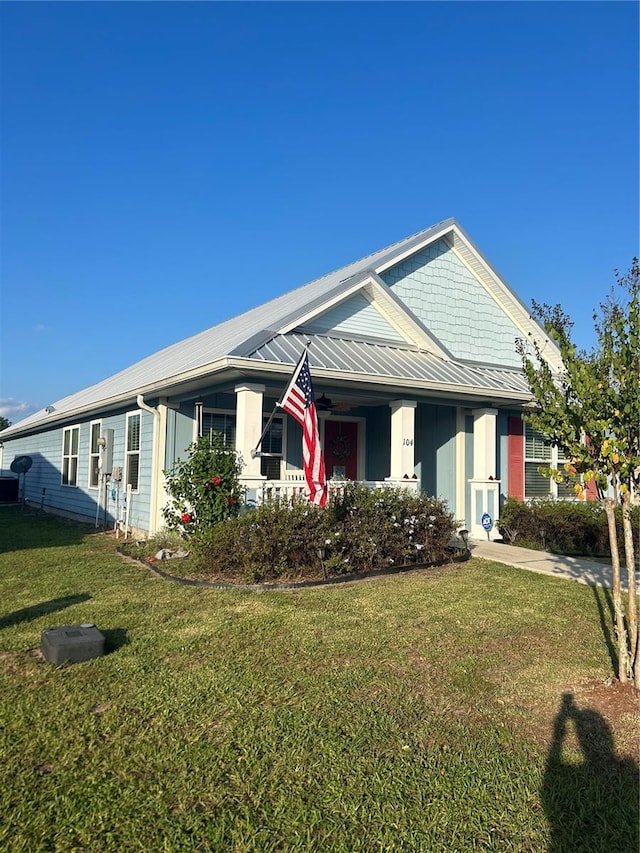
(341, 448)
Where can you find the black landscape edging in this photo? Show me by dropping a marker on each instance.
(265, 587)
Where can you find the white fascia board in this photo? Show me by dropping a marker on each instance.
(393, 260)
(115, 401)
(507, 300)
(317, 310)
(414, 333)
(376, 292)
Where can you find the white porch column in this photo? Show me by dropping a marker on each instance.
(403, 424)
(249, 402)
(484, 443)
(485, 488)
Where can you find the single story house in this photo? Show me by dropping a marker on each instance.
(416, 375)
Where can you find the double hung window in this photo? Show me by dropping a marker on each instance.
(272, 445)
(132, 463)
(94, 454)
(70, 447)
(539, 453)
(224, 425)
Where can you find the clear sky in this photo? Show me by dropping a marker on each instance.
(166, 166)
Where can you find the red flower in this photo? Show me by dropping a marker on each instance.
(185, 518)
(232, 500)
(216, 481)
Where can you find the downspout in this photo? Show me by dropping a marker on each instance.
(153, 507)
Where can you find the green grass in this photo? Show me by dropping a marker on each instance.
(412, 713)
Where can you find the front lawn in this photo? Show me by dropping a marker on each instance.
(461, 708)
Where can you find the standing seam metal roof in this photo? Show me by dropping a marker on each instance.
(238, 335)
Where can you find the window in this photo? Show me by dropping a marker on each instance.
(538, 453)
(272, 444)
(132, 462)
(70, 443)
(221, 423)
(224, 424)
(94, 454)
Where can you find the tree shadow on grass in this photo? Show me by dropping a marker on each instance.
(591, 801)
(604, 603)
(35, 611)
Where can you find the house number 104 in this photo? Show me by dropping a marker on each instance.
(407, 442)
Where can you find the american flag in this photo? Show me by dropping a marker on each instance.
(299, 401)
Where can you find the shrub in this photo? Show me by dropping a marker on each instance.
(204, 489)
(357, 531)
(564, 527)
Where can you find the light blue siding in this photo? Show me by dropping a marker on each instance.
(43, 483)
(378, 442)
(435, 434)
(450, 301)
(355, 316)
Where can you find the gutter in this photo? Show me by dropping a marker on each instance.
(157, 462)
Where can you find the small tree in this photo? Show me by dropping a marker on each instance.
(591, 411)
(4, 423)
(204, 489)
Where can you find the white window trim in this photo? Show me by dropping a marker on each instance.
(128, 453)
(97, 423)
(282, 456)
(70, 455)
(209, 411)
(554, 461)
(233, 413)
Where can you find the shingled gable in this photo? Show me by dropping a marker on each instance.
(244, 337)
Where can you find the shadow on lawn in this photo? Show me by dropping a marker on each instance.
(591, 805)
(28, 528)
(604, 602)
(114, 639)
(35, 611)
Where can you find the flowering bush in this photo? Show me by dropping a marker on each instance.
(204, 489)
(357, 531)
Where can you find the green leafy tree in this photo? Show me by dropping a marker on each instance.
(4, 423)
(591, 411)
(203, 489)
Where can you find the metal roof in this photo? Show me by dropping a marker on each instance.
(245, 336)
(331, 356)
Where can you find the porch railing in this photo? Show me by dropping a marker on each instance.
(295, 485)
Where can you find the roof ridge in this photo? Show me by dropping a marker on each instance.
(381, 251)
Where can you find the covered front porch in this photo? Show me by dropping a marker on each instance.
(448, 451)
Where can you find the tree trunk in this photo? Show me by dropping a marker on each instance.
(632, 608)
(621, 631)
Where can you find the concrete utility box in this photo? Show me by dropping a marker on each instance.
(72, 643)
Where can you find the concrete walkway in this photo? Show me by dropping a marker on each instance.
(570, 568)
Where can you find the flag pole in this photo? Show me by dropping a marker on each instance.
(255, 452)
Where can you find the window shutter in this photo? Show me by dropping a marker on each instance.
(516, 458)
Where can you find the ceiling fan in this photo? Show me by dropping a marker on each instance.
(324, 403)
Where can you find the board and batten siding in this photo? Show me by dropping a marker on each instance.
(442, 292)
(435, 452)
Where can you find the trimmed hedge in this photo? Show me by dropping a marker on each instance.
(358, 531)
(563, 527)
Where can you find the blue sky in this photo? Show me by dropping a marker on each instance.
(166, 166)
